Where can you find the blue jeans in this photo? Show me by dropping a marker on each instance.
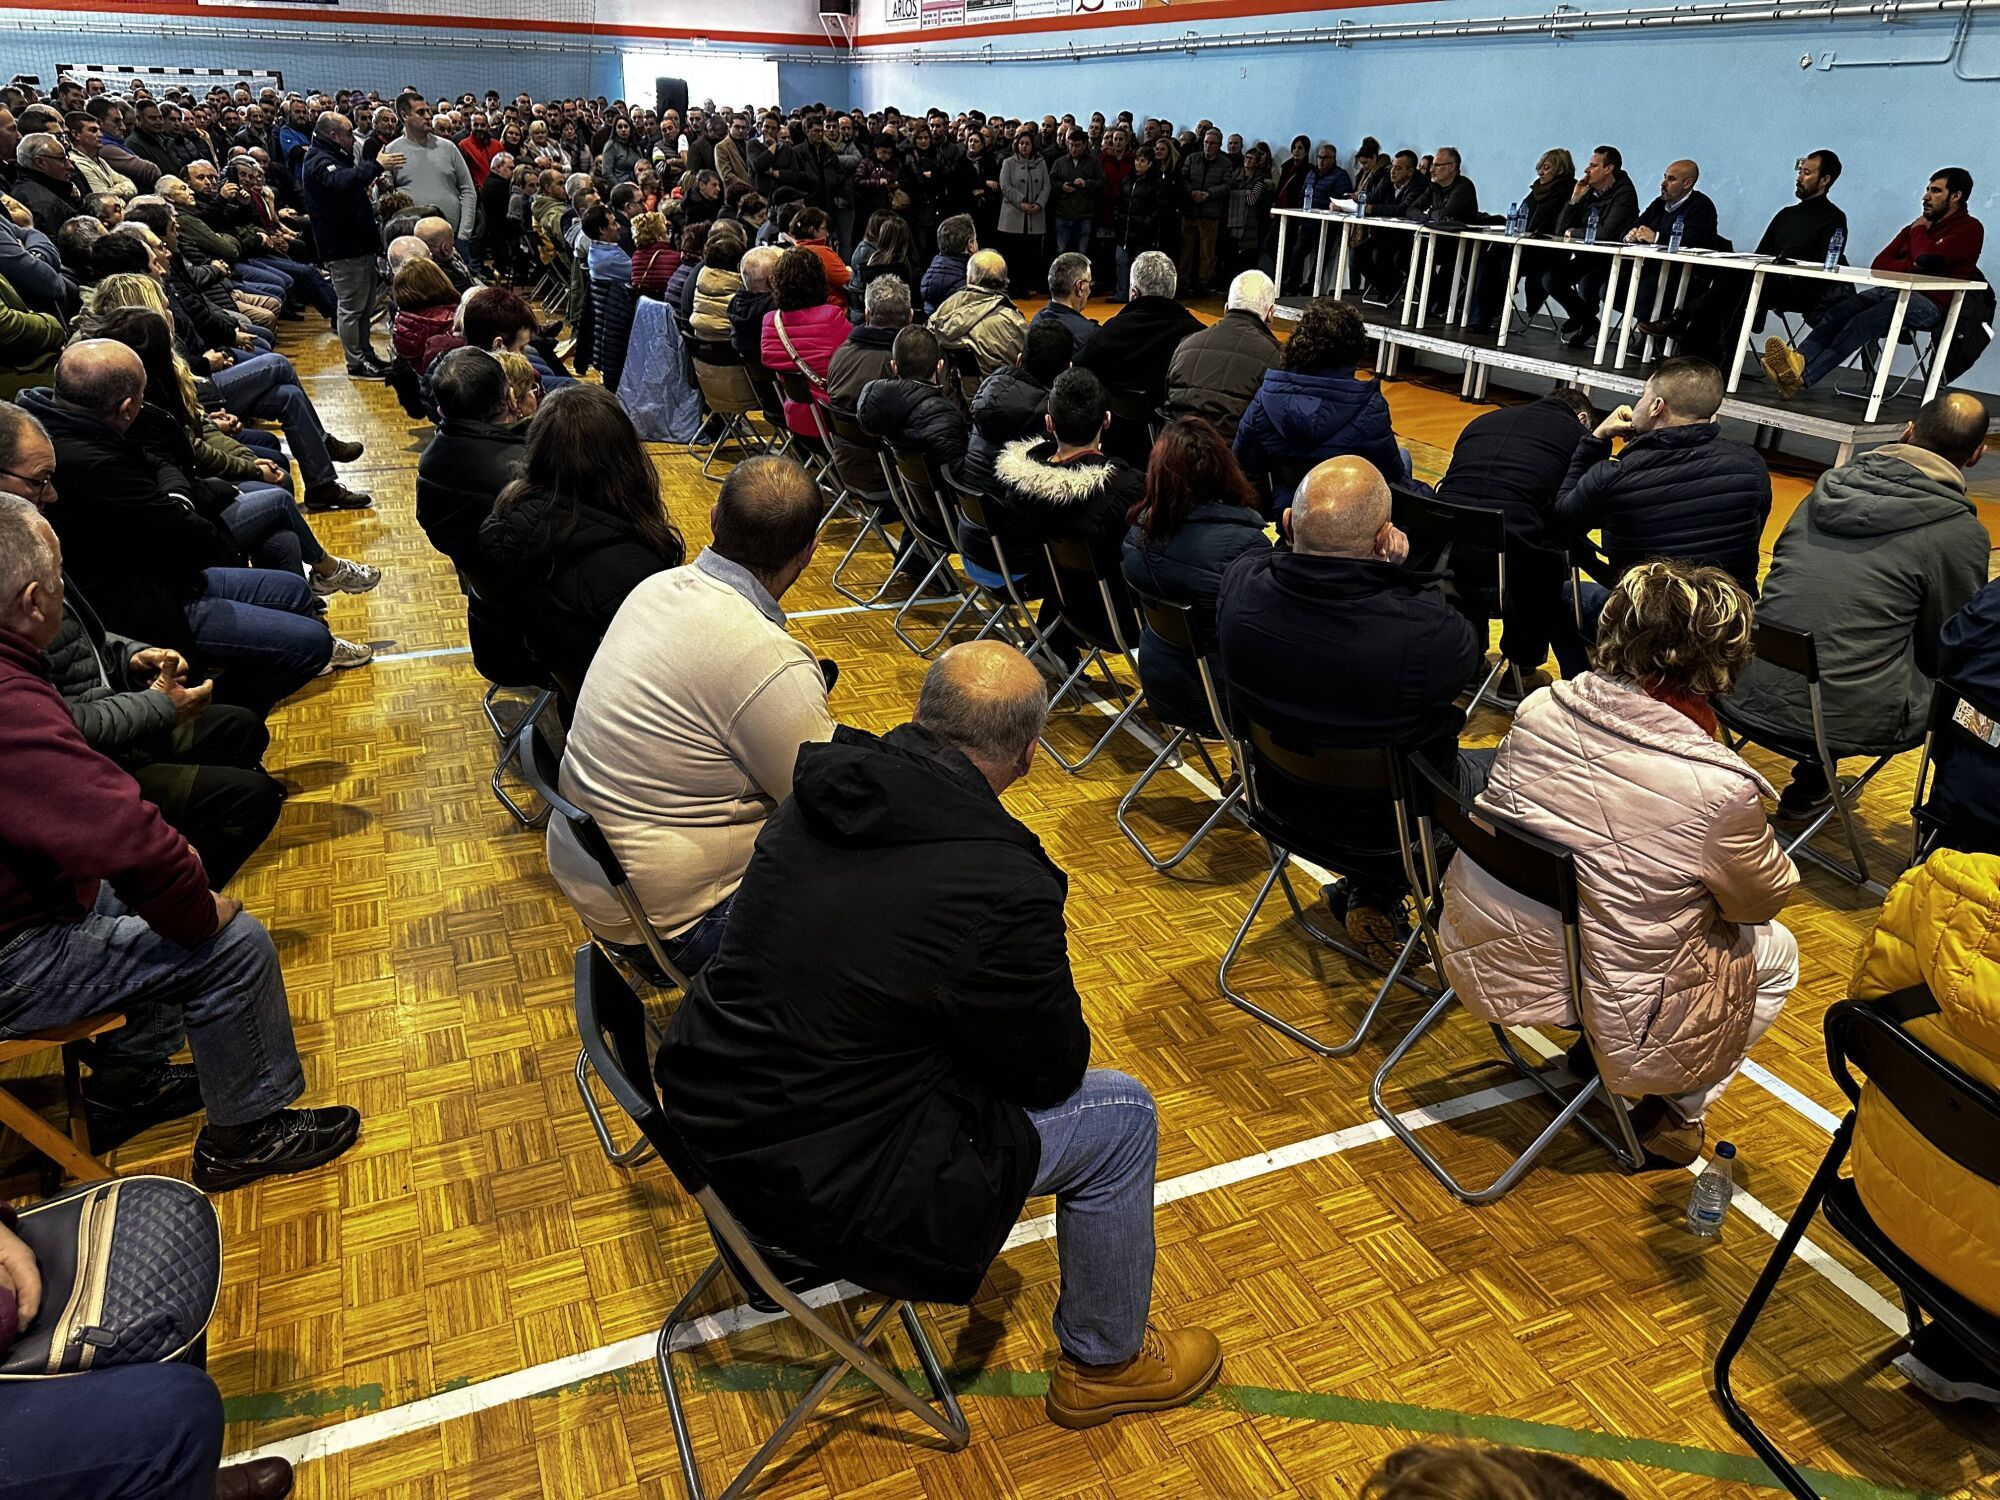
(225, 997)
(135, 1432)
(267, 524)
(265, 281)
(1853, 323)
(308, 282)
(1099, 1147)
(257, 632)
(1073, 234)
(692, 947)
(266, 386)
(1572, 640)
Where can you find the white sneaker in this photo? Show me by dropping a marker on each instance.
(347, 654)
(345, 577)
(1935, 1365)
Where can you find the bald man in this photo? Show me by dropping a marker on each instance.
(1884, 552)
(888, 1056)
(980, 316)
(1341, 642)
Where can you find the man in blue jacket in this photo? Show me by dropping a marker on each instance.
(343, 217)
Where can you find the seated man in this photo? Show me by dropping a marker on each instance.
(1134, 348)
(1337, 637)
(1069, 292)
(1514, 460)
(1014, 402)
(1678, 489)
(957, 243)
(1064, 485)
(1215, 372)
(747, 307)
(865, 354)
(103, 907)
(1965, 792)
(909, 408)
(888, 1056)
(1883, 553)
(981, 317)
(471, 457)
(691, 717)
(1575, 283)
(1943, 240)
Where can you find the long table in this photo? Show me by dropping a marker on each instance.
(1627, 263)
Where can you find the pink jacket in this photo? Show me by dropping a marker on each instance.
(1674, 863)
(815, 332)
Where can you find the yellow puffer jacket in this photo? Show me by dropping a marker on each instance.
(1941, 927)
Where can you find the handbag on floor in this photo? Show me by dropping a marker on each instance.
(131, 1270)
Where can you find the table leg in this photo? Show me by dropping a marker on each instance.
(1604, 312)
(1507, 293)
(1284, 223)
(1941, 346)
(1749, 326)
(1343, 260)
(1424, 258)
(1888, 353)
(1671, 345)
(1451, 305)
(1410, 281)
(1319, 259)
(1631, 313)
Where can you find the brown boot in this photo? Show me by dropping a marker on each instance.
(1667, 1139)
(1170, 1369)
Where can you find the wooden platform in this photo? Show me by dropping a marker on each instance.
(463, 1307)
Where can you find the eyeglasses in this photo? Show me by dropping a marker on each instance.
(36, 483)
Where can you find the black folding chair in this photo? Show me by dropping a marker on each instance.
(613, 1024)
(1434, 526)
(794, 388)
(1006, 576)
(1192, 631)
(541, 767)
(844, 430)
(1283, 764)
(1096, 608)
(1795, 651)
(1538, 870)
(1954, 1113)
(1955, 729)
(927, 524)
(502, 657)
(963, 364)
(730, 396)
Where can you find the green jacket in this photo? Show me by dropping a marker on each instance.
(209, 242)
(91, 669)
(29, 342)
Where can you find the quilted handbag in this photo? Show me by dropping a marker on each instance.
(130, 1268)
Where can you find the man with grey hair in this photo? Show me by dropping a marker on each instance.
(336, 189)
(981, 316)
(103, 907)
(957, 243)
(896, 977)
(748, 306)
(403, 249)
(865, 354)
(1216, 372)
(43, 181)
(1131, 352)
(1069, 291)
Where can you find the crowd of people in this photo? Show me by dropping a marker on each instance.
(882, 1053)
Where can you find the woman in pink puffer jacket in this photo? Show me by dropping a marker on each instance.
(1679, 873)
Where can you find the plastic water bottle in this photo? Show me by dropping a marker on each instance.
(1708, 1204)
(1590, 229)
(1674, 234)
(1833, 248)
(1513, 219)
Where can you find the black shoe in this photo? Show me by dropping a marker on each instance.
(342, 450)
(293, 1140)
(1800, 805)
(116, 1118)
(1583, 336)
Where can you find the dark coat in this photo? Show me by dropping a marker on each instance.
(1081, 330)
(1968, 783)
(1681, 492)
(915, 416)
(1009, 404)
(746, 323)
(1146, 210)
(52, 206)
(1305, 419)
(1216, 372)
(1699, 230)
(1132, 350)
(853, 1069)
(91, 668)
(335, 187)
(1187, 568)
(1515, 460)
(1087, 497)
(563, 590)
(1617, 210)
(945, 275)
(459, 477)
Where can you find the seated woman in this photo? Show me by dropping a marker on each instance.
(1315, 406)
(894, 253)
(810, 231)
(1200, 514)
(655, 257)
(679, 292)
(524, 388)
(802, 331)
(717, 279)
(1938, 928)
(1680, 874)
(581, 527)
(426, 305)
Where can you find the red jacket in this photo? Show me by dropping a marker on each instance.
(653, 266)
(414, 328)
(1956, 243)
(837, 273)
(1115, 173)
(480, 158)
(70, 819)
(815, 332)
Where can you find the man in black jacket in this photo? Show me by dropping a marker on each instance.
(43, 182)
(1216, 372)
(887, 1057)
(1064, 486)
(1446, 197)
(1013, 401)
(1133, 349)
(1678, 489)
(908, 408)
(336, 186)
(748, 306)
(1575, 283)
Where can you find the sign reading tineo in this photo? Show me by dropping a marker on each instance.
(929, 15)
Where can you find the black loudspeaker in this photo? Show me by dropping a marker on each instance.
(836, 7)
(672, 94)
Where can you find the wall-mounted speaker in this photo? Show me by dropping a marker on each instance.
(671, 93)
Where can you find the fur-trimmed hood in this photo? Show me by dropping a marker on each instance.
(1025, 466)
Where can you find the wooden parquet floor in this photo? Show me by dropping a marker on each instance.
(384, 1309)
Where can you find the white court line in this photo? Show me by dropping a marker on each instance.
(803, 614)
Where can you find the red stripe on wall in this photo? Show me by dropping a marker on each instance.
(1152, 15)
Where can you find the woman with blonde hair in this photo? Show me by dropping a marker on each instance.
(426, 305)
(1548, 194)
(524, 387)
(1679, 874)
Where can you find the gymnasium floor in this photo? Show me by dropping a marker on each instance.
(464, 1305)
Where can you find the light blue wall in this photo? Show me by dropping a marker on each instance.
(1734, 98)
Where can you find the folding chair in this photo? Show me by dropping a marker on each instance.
(1192, 631)
(541, 767)
(818, 449)
(613, 1024)
(927, 524)
(1538, 870)
(963, 364)
(1956, 727)
(1133, 424)
(1795, 651)
(67, 1153)
(844, 430)
(1096, 608)
(727, 391)
(1436, 523)
(1870, 357)
(1002, 586)
(1287, 760)
(771, 401)
(504, 660)
(1956, 1115)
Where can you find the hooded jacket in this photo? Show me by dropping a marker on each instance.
(1216, 372)
(1940, 927)
(857, 1092)
(459, 476)
(1884, 551)
(1675, 864)
(1304, 419)
(985, 320)
(1086, 497)
(1132, 350)
(1009, 404)
(1680, 492)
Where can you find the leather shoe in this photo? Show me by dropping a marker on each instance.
(1171, 1369)
(260, 1479)
(333, 495)
(342, 450)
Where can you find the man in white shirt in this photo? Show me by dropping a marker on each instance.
(691, 718)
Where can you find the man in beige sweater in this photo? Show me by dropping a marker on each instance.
(692, 716)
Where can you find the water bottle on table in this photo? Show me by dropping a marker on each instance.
(1590, 229)
(1674, 235)
(1708, 1203)
(1833, 248)
(1513, 219)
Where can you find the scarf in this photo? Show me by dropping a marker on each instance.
(1694, 706)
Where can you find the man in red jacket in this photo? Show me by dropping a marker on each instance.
(1943, 240)
(103, 907)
